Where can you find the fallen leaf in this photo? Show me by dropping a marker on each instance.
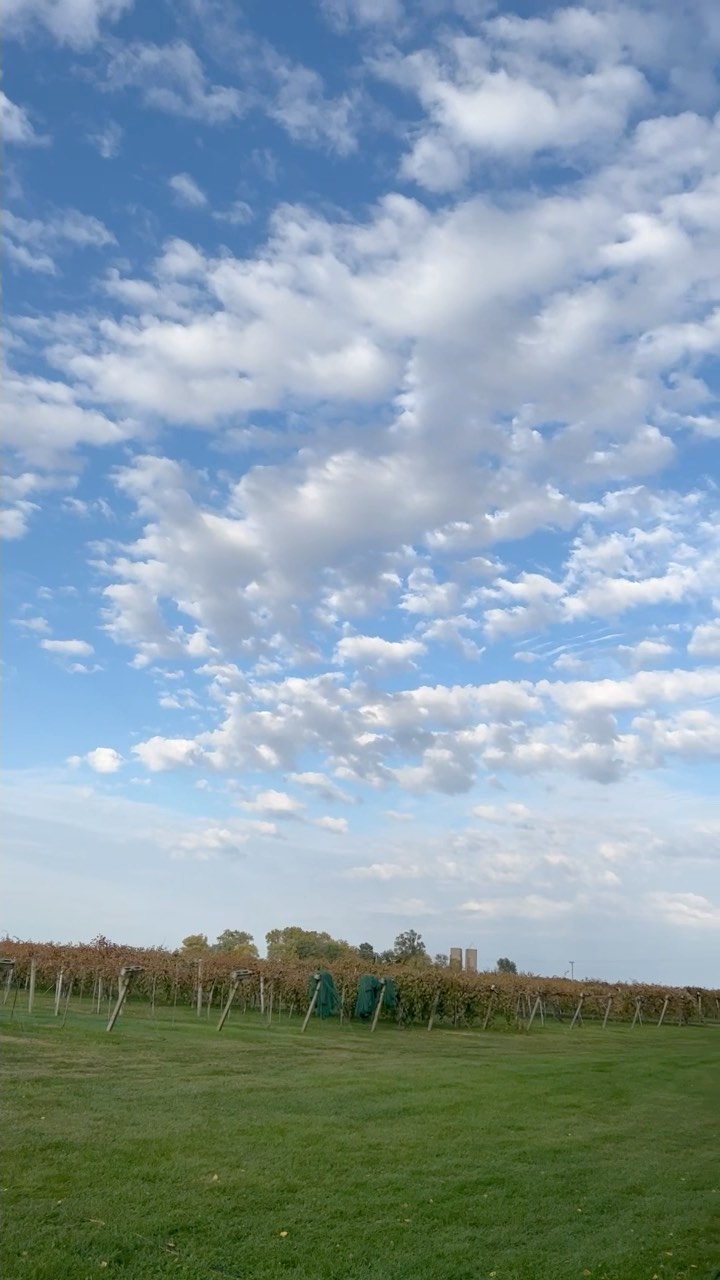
(586, 1272)
(283, 1234)
(215, 1177)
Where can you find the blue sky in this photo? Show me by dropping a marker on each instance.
(361, 408)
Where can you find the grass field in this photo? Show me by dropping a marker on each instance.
(170, 1150)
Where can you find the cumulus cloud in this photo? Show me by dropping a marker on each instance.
(338, 825)
(76, 23)
(31, 242)
(172, 78)
(16, 124)
(68, 648)
(511, 92)
(277, 803)
(705, 640)
(686, 910)
(373, 651)
(100, 759)
(186, 191)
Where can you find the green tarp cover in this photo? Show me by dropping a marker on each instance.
(368, 993)
(328, 1000)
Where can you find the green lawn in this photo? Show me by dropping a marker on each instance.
(170, 1150)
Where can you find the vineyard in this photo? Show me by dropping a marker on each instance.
(88, 975)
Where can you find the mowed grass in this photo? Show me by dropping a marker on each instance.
(171, 1150)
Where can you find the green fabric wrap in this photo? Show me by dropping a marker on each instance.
(328, 1000)
(368, 993)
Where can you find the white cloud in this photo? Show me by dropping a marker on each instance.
(277, 803)
(45, 421)
(68, 648)
(301, 106)
(215, 840)
(645, 652)
(373, 651)
(685, 910)
(343, 14)
(172, 78)
(238, 214)
(531, 907)
(384, 871)
(35, 623)
(107, 141)
(498, 95)
(705, 640)
(159, 754)
(186, 191)
(76, 23)
(338, 825)
(16, 125)
(321, 785)
(101, 760)
(30, 243)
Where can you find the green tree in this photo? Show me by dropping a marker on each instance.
(195, 944)
(367, 951)
(409, 947)
(236, 940)
(295, 943)
(506, 966)
(441, 961)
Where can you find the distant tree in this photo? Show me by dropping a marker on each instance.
(506, 966)
(441, 960)
(410, 948)
(367, 951)
(195, 944)
(304, 944)
(387, 957)
(236, 940)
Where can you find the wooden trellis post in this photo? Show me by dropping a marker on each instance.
(313, 1002)
(7, 966)
(378, 1006)
(608, 1007)
(199, 992)
(537, 1007)
(577, 1016)
(490, 1010)
(433, 1011)
(127, 973)
(58, 991)
(638, 1011)
(31, 984)
(663, 1011)
(236, 977)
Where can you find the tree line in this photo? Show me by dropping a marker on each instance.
(294, 943)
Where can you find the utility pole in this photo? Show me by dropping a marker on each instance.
(572, 970)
